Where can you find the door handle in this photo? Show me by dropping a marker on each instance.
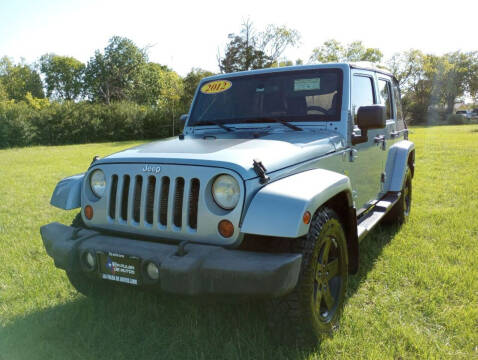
(379, 138)
(394, 134)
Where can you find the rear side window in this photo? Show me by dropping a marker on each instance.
(362, 92)
(385, 96)
(400, 120)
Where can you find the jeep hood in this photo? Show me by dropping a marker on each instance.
(234, 151)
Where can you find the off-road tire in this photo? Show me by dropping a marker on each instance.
(78, 221)
(401, 210)
(299, 317)
(90, 287)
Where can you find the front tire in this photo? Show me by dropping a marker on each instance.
(89, 287)
(314, 306)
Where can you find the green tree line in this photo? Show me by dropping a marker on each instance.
(119, 94)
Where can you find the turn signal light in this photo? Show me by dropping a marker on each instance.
(88, 212)
(226, 229)
(306, 218)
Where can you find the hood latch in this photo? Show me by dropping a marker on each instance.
(260, 170)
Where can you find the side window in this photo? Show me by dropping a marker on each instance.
(385, 96)
(362, 92)
(398, 107)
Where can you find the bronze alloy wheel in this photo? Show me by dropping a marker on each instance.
(328, 282)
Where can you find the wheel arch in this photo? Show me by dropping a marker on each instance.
(400, 155)
(67, 193)
(277, 209)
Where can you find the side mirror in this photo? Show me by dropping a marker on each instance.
(369, 117)
(183, 118)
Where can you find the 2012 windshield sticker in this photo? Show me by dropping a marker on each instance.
(215, 87)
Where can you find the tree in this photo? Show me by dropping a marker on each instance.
(111, 75)
(190, 83)
(20, 79)
(147, 87)
(333, 51)
(3, 92)
(171, 90)
(459, 74)
(252, 50)
(63, 76)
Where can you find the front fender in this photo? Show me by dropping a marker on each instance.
(397, 162)
(278, 208)
(67, 193)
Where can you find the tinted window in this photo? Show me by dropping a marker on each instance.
(385, 98)
(362, 92)
(400, 121)
(290, 96)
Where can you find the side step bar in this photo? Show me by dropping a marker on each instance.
(373, 217)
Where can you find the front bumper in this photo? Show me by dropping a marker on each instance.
(204, 269)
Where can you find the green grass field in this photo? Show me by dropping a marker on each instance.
(416, 295)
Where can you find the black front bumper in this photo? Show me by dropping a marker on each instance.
(203, 269)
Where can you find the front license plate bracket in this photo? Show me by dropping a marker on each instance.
(119, 268)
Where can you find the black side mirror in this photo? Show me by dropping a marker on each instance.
(183, 118)
(369, 117)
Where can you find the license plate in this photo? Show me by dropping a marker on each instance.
(120, 268)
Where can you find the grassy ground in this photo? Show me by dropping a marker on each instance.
(416, 295)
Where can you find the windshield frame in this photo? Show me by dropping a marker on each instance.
(288, 118)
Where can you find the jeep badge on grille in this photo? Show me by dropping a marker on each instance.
(152, 169)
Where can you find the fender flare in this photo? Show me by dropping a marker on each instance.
(67, 193)
(397, 161)
(278, 208)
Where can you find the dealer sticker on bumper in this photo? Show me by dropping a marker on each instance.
(120, 268)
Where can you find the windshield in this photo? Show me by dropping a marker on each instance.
(311, 95)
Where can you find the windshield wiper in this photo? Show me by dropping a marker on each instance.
(283, 122)
(217, 123)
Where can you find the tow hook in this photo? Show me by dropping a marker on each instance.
(182, 248)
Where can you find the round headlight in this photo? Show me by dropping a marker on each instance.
(98, 183)
(225, 191)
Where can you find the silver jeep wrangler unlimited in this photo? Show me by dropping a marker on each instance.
(278, 175)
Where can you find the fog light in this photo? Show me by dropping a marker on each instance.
(89, 260)
(153, 271)
(225, 228)
(88, 212)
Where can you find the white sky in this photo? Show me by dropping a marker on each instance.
(186, 34)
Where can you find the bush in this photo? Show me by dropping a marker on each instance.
(454, 119)
(22, 124)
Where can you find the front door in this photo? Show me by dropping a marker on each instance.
(368, 158)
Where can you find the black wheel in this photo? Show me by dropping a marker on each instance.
(78, 221)
(401, 210)
(315, 305)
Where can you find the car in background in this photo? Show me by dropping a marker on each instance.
(463, 113)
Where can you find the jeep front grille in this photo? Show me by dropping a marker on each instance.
(154, 200)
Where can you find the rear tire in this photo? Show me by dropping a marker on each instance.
(401, 210)
(313, 308)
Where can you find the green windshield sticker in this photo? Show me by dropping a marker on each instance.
(307, 84)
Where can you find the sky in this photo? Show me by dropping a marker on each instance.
(187, 34)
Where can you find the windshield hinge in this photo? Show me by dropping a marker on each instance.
(260, 170)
